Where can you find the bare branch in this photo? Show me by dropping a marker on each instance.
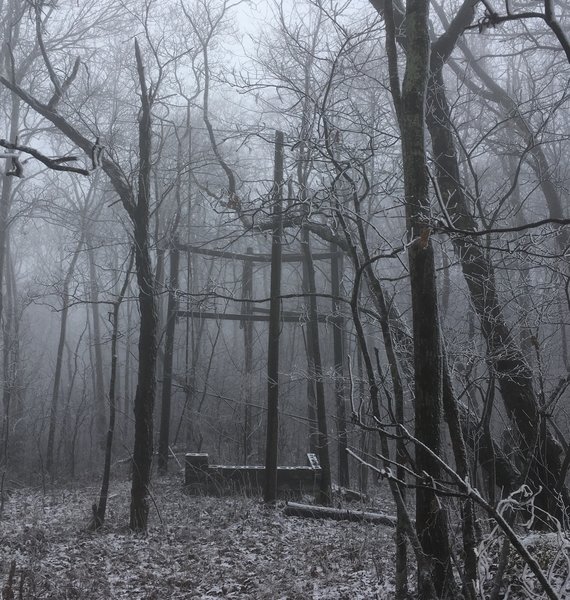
(114, 172)
(439, 226)
(55, 164)
(60, 90)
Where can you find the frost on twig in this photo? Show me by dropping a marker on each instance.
(502, 570)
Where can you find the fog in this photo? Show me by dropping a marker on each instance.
(258, 230)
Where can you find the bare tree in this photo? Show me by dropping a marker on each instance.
(136, 201)
(100, 508)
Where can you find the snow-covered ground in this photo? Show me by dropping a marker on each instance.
(196, 547)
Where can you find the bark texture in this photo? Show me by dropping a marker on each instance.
(513, 373)
(428, 369)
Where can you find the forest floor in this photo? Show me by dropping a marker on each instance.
(196, 547)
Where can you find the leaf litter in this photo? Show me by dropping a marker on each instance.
(196, 547)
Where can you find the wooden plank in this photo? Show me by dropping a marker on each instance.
(264, 258)
(287, 316)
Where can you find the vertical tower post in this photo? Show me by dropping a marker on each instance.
(247, 292)
(271, 447)
(168, 360)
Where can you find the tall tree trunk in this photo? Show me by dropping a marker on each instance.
(127, 375)
(146, 379)
(99, 391)
(100, 508)
(11, 401)
(5, 205)
(50, 467)
(11, 35)
(452, 417)
(513, 372)
(430, 519)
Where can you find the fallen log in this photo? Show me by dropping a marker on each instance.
(307, 511)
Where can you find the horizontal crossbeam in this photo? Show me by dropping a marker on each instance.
(263, 258)
(287, 316)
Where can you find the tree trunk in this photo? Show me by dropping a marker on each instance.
(146, 380)
(5, 205)
(100, 508)
(453, 420)
(430, 519)
(513, 372)
(12, 408)
(338, 356)
(431, 522)
(99, 391)
(127, 375)
(59, 358)
(11, 37)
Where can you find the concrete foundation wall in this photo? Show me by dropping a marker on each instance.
(202, 478)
